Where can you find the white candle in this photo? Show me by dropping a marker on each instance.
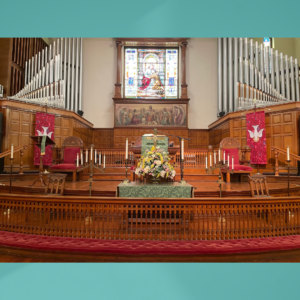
(95, 156)
(214, 158)
(210, 159)
(86, 155)
(99, 158)
(126, 153)
(288, 153)
(12, 151)
(219, 154)
(77, 161)
(232, 163)
(223, 157)
(182, 149)
(91, 153)
(206, 161)
(81, 157)
(104, 162)
(228, 160)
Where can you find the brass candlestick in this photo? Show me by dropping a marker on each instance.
(182, 181)
(288, 163)
(90, 165)
(219, 166)
(10, 177)
(126, 181)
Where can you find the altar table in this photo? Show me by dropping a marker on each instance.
(161, 190)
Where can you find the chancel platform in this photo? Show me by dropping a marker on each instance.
(162, 190)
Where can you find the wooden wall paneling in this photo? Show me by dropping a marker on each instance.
(120, 135)
(103, 137)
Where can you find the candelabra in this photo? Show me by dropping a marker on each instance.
(219, 166)
(10, 177)
(126, 181)
(288, 163)
(92, 166)
(182, 181)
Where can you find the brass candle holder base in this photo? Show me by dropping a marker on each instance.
(126, 181)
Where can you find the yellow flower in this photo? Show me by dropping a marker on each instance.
(152, 166)
(153, 148)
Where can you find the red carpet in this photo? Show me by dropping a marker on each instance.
(84, 245)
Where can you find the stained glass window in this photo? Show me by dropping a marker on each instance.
(151, 73)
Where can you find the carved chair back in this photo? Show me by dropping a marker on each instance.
(70, 147)
(56, 184)
(232, 147)
(259, 186)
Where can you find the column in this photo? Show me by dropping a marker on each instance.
(183, 72)
(118, 84)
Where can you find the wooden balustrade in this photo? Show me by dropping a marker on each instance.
(280, 155)
(16, 149)
(193, 158)
(150, 219)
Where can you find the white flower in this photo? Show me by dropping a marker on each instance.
(146, 170)
(137, 171)
(173, 173)
(157, 162)
(157, 147)
(162, 173)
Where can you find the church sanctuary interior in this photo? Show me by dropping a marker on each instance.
(149, 150)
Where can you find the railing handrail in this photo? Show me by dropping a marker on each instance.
(16, 149)
(296, 157)
(84, 200)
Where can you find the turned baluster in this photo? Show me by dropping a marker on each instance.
(21, 162)
(276, 164)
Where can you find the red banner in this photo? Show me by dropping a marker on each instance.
(44, 125)
(256, 137)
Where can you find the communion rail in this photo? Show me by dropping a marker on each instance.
(154, 219)
(281, 156)
(193, 158)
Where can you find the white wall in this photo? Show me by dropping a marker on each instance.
(202, 81)
(99, 77)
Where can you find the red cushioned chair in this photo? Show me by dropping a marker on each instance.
(232, 147)
(67, 164)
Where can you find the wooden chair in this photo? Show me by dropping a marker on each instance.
(57, 182)
(67, 163)
(232, 147)
(258, 186)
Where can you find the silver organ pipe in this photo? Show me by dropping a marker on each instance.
(297, 79)
(272, 68)
(258, 72)
(287, 78)
(236, 70)
(224, 74)
(277, 72)
(267, 64)
(69, 70)
(72, 76)
(246, 49)
(80, 76)
(230, 94)
(292, 79)
(76, 75)
(47, 76)
(282, 75)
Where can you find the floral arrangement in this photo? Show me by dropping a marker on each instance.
(156, 164)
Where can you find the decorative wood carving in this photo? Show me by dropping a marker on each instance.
(230, 143)
(57, 182)
(259, 186)
(72, 141)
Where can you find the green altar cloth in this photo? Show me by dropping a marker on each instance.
(162, 190)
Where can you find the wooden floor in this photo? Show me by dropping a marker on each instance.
(108, 188)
